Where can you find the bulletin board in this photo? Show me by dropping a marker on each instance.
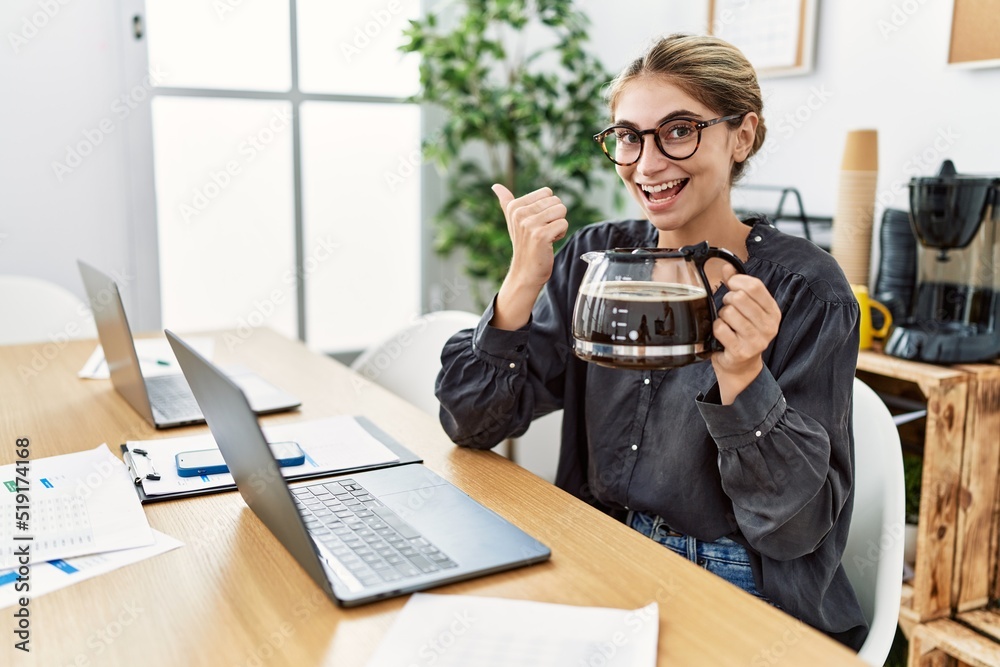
(975, 34)
(777, 36)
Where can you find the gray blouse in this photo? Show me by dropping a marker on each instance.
(772, 471)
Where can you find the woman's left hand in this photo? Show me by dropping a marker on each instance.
(747, 323)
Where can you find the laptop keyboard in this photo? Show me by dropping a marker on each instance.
(172, 396)
(368, 538)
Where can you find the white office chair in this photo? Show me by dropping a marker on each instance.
(873, 558)
(407, 362)
(35, 310)
(538, 449)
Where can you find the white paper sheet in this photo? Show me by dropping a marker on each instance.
(767, 32)
(155, 357)
(470, 631)
(75, 504)
(335, 443)
(53, 575)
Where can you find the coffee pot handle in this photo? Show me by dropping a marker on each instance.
(699, 254)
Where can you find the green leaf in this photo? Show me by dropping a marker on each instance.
(532, 113)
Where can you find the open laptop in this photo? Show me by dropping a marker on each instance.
(364, 536)
(166, 400)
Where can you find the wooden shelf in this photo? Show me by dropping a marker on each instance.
(956, 575)
(945, 391)
(977, 545)
(941, 642)
(907, 617)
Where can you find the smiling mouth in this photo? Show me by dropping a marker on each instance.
(664, 191)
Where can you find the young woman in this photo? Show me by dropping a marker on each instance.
(744, 464)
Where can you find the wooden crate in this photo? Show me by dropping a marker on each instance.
(971, 639)
(945, 391)
(957, 573)
(977, 544)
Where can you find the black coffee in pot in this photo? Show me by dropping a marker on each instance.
(642, 324)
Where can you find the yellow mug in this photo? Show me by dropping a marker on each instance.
(867, 303)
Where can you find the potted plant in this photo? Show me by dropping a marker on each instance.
(514, 114)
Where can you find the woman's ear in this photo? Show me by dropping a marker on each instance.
(745, 135)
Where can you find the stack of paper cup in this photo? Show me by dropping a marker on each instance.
(855, 214)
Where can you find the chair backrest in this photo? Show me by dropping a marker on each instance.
(538, 449)
(873, 558)
(35, 310)
(407, 362)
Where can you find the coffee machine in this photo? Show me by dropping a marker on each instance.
(954, 314)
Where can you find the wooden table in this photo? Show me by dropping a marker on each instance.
(233, 596)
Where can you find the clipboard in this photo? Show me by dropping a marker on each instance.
(140, 467)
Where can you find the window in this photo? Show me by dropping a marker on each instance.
(288, 191)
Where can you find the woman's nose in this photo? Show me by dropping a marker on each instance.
(652, 158)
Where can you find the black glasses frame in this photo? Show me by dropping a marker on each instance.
(698, 125)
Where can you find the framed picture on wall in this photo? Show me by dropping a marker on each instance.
(777, 36)
(975, 25)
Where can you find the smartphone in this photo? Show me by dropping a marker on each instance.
(210, 462)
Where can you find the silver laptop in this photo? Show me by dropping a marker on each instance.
(166, 400)
(364, 536)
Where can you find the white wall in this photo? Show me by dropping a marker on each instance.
(64, 80)
(64, 69)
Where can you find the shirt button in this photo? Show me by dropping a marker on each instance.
(513, 365)
(757, 434)
(756, 239)
(646, 381)
(635, 447)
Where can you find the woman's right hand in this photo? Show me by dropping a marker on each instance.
(535, 222)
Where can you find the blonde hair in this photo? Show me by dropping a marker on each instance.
(710, 70)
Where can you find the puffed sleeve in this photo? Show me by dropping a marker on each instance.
(785, 443)
(494, 382)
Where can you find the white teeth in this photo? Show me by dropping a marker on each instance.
(663, 186)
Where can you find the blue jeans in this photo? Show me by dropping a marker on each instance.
(724, 557)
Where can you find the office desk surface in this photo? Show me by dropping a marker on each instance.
(233, 596)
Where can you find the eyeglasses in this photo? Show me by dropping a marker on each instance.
(677, 138)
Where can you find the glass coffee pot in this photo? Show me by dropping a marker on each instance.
(647, 308)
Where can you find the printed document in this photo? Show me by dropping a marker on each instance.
(470, 631)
